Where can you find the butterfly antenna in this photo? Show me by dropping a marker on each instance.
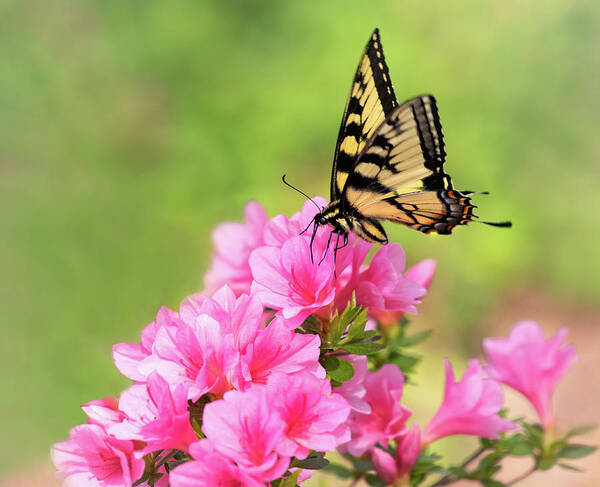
(301, 192)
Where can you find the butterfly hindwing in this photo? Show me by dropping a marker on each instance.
(371, 100)
(427, 211)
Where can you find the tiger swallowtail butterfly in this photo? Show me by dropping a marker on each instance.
(389, 162)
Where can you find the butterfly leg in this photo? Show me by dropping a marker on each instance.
(327, 248)
(312, 239)
(344, 244)
(335, 249)
(338, 247)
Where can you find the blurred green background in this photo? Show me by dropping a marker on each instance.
(129, 129)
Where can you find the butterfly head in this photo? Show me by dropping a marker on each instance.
(332, 215)
(320, 219)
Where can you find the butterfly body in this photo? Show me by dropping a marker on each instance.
(344, 220)
(388, 162)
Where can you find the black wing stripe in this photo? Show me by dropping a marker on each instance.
(371, 100)
(381, 74)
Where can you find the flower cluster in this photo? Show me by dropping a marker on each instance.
(279, 360)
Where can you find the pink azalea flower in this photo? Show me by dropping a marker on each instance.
(286, 279)
(470, 407)
(277, 349)
(241, 316)
(397, 470)
(314, 417)
(280, 228)
(199, 354)
(90, 457)
(387, 417)
(210, 469)
(382, 285)
(353, 390)
(233, 243)
(104, 412)
(530, 364)
(155, 415)
(245, 428)
(191, 346)
(127, 356)
(290, 280)
(421, 273)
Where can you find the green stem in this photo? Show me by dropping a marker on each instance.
(523, 476)
(448, 479)
(166, 458)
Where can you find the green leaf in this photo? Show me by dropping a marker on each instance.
(353, 318)
(521, 449)
(374, 480)
(359, 463)
(458, 472)
(555, 447)
(312, 324)
(336, 329)
(315, 461)
(339, 470)
(487, 443)
(196, 410)
(291, 481)
(358, 318)
(533, 430)
(428, 457)
(493, 483)
(337, 369)
(406, 363)
(488, 461)
(363, 348)
(365, 336)
(580, 430)
(546, 463)
(576, 451)
(351, 313)
(414, 339)
(369, 334)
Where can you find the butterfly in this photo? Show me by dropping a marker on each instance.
(389, 162)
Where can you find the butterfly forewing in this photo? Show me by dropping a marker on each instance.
(405, 154)
(371, 100)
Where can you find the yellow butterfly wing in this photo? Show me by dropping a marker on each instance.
(399, 175)
(427, 211)
(405, 154)
(371, 100)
